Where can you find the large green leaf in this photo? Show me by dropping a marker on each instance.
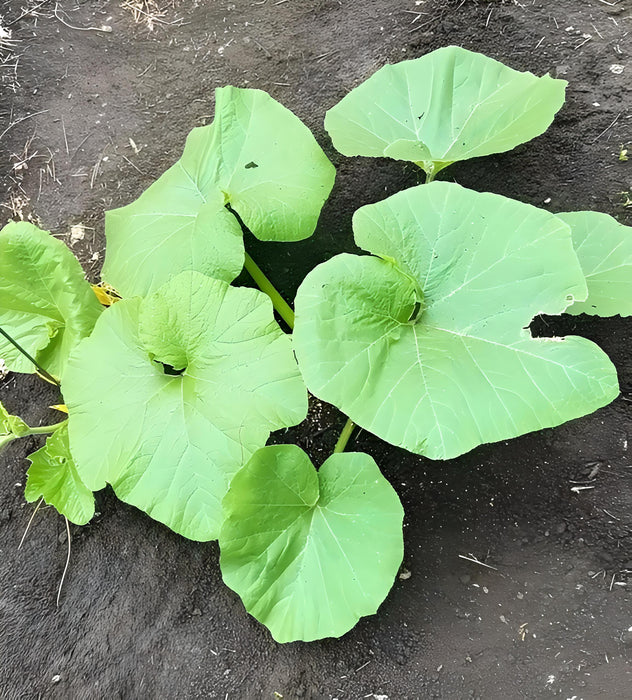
(257, 157)
(46, 305)
(427, 345)
(309, 552)
(604, 249)
(170, 443)
(53, 476)
(449, 105)
(11, 427)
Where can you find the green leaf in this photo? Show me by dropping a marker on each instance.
(46, 305)
(11, 427)
(53, 476)
(309, 552)
(427, 345)
(12, 424)
(257, 157)
(449, 105)
(604, 249)
(170, 443)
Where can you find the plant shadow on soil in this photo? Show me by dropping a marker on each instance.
(513, 585)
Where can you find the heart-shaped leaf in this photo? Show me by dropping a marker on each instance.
(53, 476)
(46, 304)
(426, 345)
(170, 396)
(257, 157)
(449, 105)
(309, 552)
(604, 249)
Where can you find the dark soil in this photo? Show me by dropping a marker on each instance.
(143, 613)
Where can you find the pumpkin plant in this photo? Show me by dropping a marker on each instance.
(173, 389)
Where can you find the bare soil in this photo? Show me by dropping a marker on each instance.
(87, 119)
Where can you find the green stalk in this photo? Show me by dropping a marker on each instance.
(285, 311)
(281, 306)
(18, 347)
(39, 430)
(344, 436)
(44, 429)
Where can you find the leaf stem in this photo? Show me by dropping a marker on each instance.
(285, 311)
(18, 347)
(344, 436)
(430, 176)
(44, 429)
(281, 306)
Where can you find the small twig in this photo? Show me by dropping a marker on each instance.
(95, 169)
(421, 26)
(140, 75)
(102, 28)
(26, 13)
(322, 56)
(80, 145)
(152, 17)
(577, 489)
(133, 165)
(28, 525)
(588, 38)
(614, 121)
(474, 560)
(63, 128)
(63, 576)
(614, 517)
(263, 48)
(50, 166)
(17, 121)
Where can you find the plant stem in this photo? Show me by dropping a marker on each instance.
(285, 311)
(18, 347)
(282, 307)
(430, 176)
(44, 429)
(344, 436)
(38, 430)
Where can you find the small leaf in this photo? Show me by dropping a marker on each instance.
(427, 345)
(604, 249)
(170, 396)
(257, 157)
(12, 424)
(53, 476)
(449, 105)
(11, 427)
(46, 305)
(309, 552)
